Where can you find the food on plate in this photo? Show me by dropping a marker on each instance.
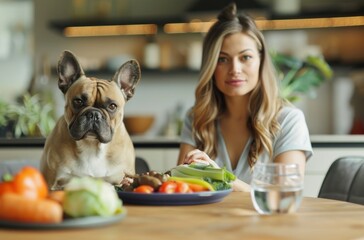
(15, 207)
(203, 171)
(28, 182)
(57, 196)
(219, 178)
(144, 189)
(24, 197)
(154, 182)
(6, 187)
(185, 179)
(196, 185)
(173, 186)
(87, 196)
(168, 187)
(151, 178)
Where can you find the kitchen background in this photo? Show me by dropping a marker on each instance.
(32, 39)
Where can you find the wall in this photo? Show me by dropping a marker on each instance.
(16, 47)
(157, 94)
(160, 94)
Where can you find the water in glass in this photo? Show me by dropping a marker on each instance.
(276, 188)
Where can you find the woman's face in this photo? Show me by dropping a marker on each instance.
(237, 70)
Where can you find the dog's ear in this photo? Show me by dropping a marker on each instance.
(69, 70)
(127, 77)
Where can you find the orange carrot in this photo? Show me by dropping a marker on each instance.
(57, 196)
(196, 187)
(15, 207)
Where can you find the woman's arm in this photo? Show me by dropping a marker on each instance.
(184, 149)
(297, 157)
(240, 186)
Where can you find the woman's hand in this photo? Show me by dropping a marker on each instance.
(199, 156)
(240, 186)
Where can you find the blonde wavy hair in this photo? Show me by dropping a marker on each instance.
(265, 101)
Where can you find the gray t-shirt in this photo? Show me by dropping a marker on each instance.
(294, 135)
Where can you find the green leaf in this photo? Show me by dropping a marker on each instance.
(321, 65)
(299, 77)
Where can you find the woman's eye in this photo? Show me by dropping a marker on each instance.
(222, 59)
(246, 57)
(112, 106)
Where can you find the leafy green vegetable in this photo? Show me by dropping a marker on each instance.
(218, 185)
(219, 178)
(90, 197)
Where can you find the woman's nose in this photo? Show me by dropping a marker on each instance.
(236, 67)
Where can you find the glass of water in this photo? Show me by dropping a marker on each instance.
(276, 188)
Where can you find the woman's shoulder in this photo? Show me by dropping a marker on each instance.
(288, 113)
(290, 110)
(189, 114)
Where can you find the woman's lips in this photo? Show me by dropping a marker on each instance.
(235, 82)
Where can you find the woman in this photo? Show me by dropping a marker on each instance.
(239, 118)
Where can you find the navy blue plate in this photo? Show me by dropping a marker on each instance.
(174, 199)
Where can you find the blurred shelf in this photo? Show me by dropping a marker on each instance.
(60, 25)
(144, 71)
(346, 64)
(147, 27)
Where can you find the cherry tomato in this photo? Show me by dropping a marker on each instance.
(144, 189)
(168, 187)
(182, 187)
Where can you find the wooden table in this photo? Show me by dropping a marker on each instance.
(233, 218)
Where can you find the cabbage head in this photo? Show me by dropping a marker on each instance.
(88, 196)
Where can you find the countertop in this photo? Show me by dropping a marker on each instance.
(329, 141)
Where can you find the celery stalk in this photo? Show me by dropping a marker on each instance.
(176, 173)
(220, 174)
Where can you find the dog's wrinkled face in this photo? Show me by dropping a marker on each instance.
(94, 107)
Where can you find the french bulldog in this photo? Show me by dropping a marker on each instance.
(90, 139)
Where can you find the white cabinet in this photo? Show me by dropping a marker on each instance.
(23, 154)
(159, 159)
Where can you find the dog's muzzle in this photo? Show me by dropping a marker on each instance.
(91, 123)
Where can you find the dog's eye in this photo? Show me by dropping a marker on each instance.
(112, 106)
(77, 103)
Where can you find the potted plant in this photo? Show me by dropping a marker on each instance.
(29, 118)
(5, 128)
(300, 76)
